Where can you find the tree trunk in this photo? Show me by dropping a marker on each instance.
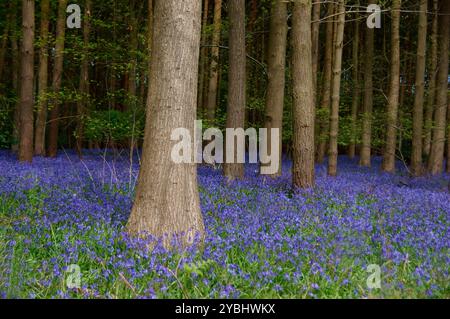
(41, 114)
(394, 89)
(276, 72)
(366, 139)
(57, 77)
(203, 58)
(84, 78)
(133, 26)
(431, 98)
(15, 55)
(167, 200)
(315, 34)
(236, 81)
(214, 75)
(356, 99)
(303, 99)
(336, 89)
(26, 87)
(323, 116)
(416, 156)
(436, 163)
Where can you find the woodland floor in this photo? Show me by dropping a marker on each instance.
(263, 240)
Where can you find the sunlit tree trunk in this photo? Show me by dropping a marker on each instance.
(236, 81)
(436, 163)
(276, 71)
(167, 199)
(27, 78)
(41, 113)
(303, 91)
(57, 79)
(214, 66)
(416, 156)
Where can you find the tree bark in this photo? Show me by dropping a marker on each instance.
(416, 156)
(84, 78)
(57, 79)
(167, 200)
(276, 75)
(366, 140)
(431, 98)
(303, 99)
(26, 87)
(356, 99)
(388, 164)
(336, 89)
(436, 163)
(315, 28)
(236, 81)
(41, 114)
(323, 117)
(214, 75)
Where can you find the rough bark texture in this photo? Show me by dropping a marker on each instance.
(436, 163)
(167, 199)
(303, 99)
(26, 87)
(416, 156)
(366, 139)
(431, 98)
(336, 89)
(41, 113)
(214, 67)
(84, 78)
(57, 77)
(276, 73)
(388, 164)
(356, 99)
(236, 80)
(326, 87)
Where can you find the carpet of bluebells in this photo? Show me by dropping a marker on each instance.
(263, 239)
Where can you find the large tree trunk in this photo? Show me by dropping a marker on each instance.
(167, 200)
(26, 87)
(276, 71)
(356, 99)
(394, 89)
(203, 58)
(323, 115)
(416, 156)
(436, 163)
(57, 77)
(431, 98)
(214, 67)
(41, 114)
(236, 82)
(366, 139)
(336, 89)
(303, 94)
(84, 78)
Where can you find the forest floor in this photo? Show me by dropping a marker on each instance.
(263, 240)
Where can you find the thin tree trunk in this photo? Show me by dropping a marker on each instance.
(57, 79)
(276, 71)
(431, 98)
(436, 163)
(203, 57)
(394, 89)
(167, 200)
(214, 75)
(84, 78)
(236, 81)
(41, 114)
(416, 156)
(26, 87)
(303, 91)
(15, 55)
(315, 43)
(336, 89)
(323, 116)
(366, 140)
(356, 99)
